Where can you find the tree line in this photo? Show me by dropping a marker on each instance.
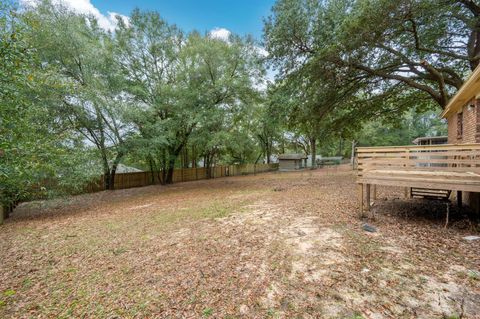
(77, 100)
(345, 66)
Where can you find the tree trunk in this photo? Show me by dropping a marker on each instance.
(112, 178)
(116, 161)
(106, 179)
(208, 166)
(170, 170)
(7, 209)
(194, 157)
(269, 151)
(106, 171)
(164, 168)
(352, 158)
(152, 170)
(185, 160)
(313, 148)
(161, 176)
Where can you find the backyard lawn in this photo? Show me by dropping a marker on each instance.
(274, 245)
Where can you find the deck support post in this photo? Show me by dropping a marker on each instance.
(459, 199)
(447, 217)
(408, 192)
(360, 198)
(374, 192)
(368, 197)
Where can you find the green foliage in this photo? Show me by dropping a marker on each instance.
(9, 293)
(403, 132)
(76, 100)
(419, 48)
(89, 101)
(473, 275)
(345, 64)
(33, 146)
(184, 89)
(207, 312)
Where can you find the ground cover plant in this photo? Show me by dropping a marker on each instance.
(277, 245)
(85, 96)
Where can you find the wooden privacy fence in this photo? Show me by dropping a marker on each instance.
(138, 179)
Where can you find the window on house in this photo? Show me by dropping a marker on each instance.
(459, 125)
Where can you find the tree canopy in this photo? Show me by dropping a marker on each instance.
(77, 100)
(426, 46)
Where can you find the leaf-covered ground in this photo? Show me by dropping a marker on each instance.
(277, 245)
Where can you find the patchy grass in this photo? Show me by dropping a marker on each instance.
(276, 245)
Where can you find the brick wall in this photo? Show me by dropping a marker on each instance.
(471, 125)
(477, 110)
(470, 134)
(452, 129)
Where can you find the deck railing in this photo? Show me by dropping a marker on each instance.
(445, 157)
(429, 169)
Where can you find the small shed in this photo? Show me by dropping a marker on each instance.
(291, 162)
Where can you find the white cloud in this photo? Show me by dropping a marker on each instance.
(220, 33)
(107, 22)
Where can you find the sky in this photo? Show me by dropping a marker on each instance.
(238, 16)
(217, 17)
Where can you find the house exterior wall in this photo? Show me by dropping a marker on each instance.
(470, 126)
(470, 134)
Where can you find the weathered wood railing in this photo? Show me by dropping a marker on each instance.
(440, 167)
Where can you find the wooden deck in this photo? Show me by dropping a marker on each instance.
(452, 167)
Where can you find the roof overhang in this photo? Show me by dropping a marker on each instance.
(469, 90)
(292, 156)
(429, 138)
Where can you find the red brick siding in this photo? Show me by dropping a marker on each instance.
(471, 129)
(452, 129)
(470, 134)
(477, 109)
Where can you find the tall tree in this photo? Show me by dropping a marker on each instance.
(91, 100)
(35, 148)
(426, 46)
(180, 84)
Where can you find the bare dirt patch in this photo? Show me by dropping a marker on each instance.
(277, 245)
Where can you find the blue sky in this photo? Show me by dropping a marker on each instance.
(241, 16)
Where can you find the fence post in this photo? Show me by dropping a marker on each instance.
(352, 158)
